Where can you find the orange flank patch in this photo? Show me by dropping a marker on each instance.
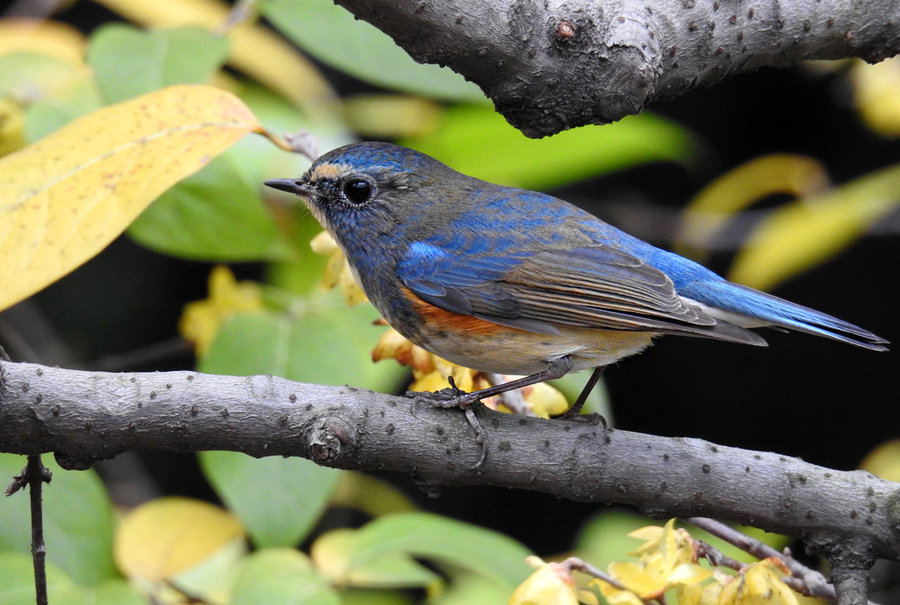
(438, 319)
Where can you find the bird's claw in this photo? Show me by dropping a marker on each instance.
(593, 418)
(450, 397)
(454, 397)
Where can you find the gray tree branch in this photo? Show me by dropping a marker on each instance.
(86, 416)
(558, 64)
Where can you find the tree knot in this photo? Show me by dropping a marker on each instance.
(328, 439)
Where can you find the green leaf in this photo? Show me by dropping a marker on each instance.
(281, 577)
(17, 586)
(26, 75)
(215, 214)
(303, 274)
(479, 142)
(487, 553)
(465, 588)
(377, 596)
(604, 538)
(218, 213)
(334, 36)
(334, 554)
(322, 341)
(114, 592)
(78, 521)
(17, 582)
(129, 62)
(597, 402)
(260, 158)
(79, 97)
(296, 492)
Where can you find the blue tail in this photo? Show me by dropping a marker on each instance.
(779, 312)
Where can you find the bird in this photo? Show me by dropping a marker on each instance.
(512, 281)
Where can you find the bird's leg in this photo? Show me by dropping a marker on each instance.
(455, 398)
(575, 410)
(480, 435)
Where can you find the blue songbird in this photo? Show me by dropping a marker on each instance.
(513, 281)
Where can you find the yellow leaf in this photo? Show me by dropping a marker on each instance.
(42, 37)
(741, 187)
(370, 495)
(168, 536)
(587, 597)
(807, 232)
(666, 560)
(431, 373)
(332, 554)
(643, 579)
(544, 400)
(392, 345)
(884, 461)
(694, 594)
(689, 573)
(623, 597)
(350, 289)
(337, 270)
(255, 50)
(324, 244)
(652, 536)
(876, 90)
(201, 319)
(551, 584)
(67, 196)
(759, 584)
(12, 126)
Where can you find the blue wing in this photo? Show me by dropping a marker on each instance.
(595, 286)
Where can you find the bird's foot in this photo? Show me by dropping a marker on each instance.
(451, 397)
(593, 418)
(454, 397)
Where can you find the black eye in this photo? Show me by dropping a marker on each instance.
(358, 191)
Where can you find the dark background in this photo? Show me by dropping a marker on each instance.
(820, 400)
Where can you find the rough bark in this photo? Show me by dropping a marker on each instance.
(86, 416)
(557, 64)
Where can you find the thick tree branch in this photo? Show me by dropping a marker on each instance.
(553, 65)
(86, 416)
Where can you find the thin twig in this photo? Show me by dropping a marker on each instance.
(303, 142)
(804, 580)
(514, 400)
(242, 11)
(34, 475)
(37, 475)
(716, 557)
(577, 564)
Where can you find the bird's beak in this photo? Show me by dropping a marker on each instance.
(290, 185)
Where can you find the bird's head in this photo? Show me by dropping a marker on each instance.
(365, 190)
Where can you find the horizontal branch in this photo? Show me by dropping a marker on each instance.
(553, 65)
(86, 416)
